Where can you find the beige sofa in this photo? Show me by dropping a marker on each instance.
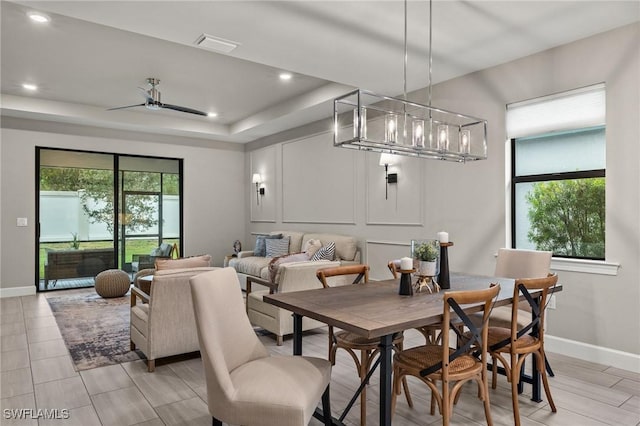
(162, 322)
(248, 265)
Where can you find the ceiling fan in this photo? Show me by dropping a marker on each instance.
(152, 100)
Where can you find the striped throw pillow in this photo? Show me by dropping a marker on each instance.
(326, 252)
(277, 247)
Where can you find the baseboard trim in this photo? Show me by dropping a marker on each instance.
(17, 291)
(592, 353)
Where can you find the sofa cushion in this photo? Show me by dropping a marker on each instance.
(295, 240)
(277, 247)
(252, 265)
(260, 248)
(186, 262)
(346, 247)
(326, 252)
(311, 247)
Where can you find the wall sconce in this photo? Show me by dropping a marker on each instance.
(257, 179)
(386, 160)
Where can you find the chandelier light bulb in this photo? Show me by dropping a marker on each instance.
(417, 138)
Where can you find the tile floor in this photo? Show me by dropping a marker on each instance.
(38, 373)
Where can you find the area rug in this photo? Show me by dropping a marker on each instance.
(95, 330)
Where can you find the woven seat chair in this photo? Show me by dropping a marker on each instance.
(512, 345)
(351, 342)
(440, 363)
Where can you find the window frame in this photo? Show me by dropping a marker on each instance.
(545, 177)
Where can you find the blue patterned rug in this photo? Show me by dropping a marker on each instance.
(95, 330)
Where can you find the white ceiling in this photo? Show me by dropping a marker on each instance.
(94, 54)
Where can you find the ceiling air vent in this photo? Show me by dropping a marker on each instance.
(214, 43)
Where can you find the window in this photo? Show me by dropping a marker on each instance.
(558, 173)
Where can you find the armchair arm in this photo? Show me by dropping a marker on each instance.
(137, 293)
(273, 287)
(246, 253)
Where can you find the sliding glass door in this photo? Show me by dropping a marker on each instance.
(95, 211)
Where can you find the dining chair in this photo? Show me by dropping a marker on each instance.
(512, 345)
(246, 386)
(351, 342)
(452, 367)
(518, 263)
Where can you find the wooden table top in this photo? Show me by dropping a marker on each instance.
(376, 309)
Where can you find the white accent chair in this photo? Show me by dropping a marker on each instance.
(246, 386)
(296, 276)
(162, 324)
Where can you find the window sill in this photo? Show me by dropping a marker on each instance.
(600, 267)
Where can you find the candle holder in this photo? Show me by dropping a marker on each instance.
(444, 266)
(406, 288)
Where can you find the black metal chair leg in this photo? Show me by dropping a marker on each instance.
(548, 367)
(215, 422)
(326, 407)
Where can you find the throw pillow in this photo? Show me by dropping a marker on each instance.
(326, 252)
(186, 262)
(311, 247)
(277, 247)
(261, 246)
(274, 264)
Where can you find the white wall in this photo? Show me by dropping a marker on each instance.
(469, 201)
(214, 195)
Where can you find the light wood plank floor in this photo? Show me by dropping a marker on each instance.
(37, 373)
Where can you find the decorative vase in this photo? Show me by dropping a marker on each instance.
(427, 269)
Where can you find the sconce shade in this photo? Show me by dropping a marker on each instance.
(256, 178)
(386, 159)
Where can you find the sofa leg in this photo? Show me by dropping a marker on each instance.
(151, 365)
(279, 340)
(215, 422)
(132, 346)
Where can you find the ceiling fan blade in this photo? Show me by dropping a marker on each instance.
(123, 107)
(183, 109)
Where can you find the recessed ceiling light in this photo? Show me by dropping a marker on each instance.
(38, 17)
(285, 76)
(212, 114)
(30, 87)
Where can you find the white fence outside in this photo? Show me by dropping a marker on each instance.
(61, 216)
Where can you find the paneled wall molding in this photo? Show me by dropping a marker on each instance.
(302, 184)
(264, 162)
(404, 205)
(388, 243)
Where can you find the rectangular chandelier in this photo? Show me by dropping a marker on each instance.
(366, 121)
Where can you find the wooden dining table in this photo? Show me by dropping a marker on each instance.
(376, 310)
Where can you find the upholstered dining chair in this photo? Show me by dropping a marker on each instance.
(351, 342)
(246, 386)
(452, 367)
(518, 263)
(512, 345)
